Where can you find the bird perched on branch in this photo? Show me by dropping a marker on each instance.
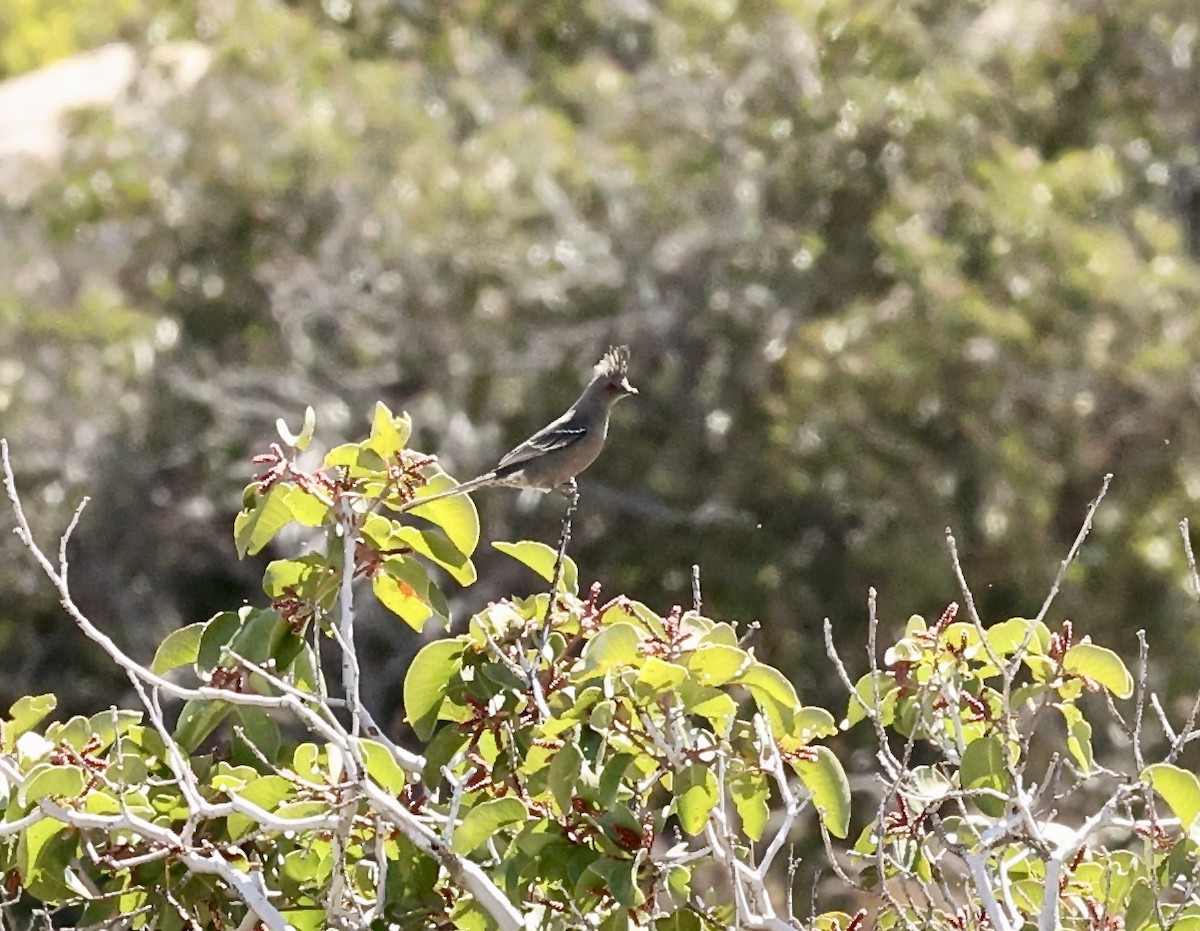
(552, 457)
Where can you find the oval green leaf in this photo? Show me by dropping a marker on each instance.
(826, 780)
(541, 558)
(1101, 665)
(456, 515)
(179, 648)
(695, 795)
(484, 820)
(984, 767)
(426, 682)
(1179, 788)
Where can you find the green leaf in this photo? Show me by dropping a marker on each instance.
(1079, 736)
(774, 694)
(1101, 665)
(717, 663)
(382, 766)
(616, 877)
(436, 546)
(541, 558)
(750, 793)
(1006, 637)
(255, 527)
(75, 731)
(616, 645)
(107, 725)
(403, 588)
(259, 736)
(483, 820)
(601, 716)
(564, 773)
(45, 851)
(679, 883)
(658, 675)
(50, 779)
(346, 455)
(610, 779)
(811, 723)
(290, 577)
(984, 766)
(695, 790)
(197, 720)
(218, 631)
(263, 635)
(927, 785)
(826, 780)
(25, 714)
(1180, 789)
(267, 792)
(1139, 912)
(389, 433)
(767, 681)
(711, 703)
(425, 684)
(456, 515)
(306, 919)
(179, 648)
(865, 690)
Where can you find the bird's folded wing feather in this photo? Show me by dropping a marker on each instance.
(556, 436)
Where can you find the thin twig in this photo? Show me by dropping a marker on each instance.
(1074, 551)
(1191, 557)
(564, 541)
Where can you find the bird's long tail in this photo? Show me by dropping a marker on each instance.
(481, 481)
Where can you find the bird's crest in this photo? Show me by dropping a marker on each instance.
(614, 365)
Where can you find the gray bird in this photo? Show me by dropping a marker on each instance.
(552, 457)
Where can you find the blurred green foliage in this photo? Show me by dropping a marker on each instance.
(886, 267)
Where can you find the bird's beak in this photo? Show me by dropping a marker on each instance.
(628, 388)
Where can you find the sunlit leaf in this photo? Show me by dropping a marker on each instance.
(826, 780)
(403, 588)
(615, 645)
(751, 794)
(255, 527)
(541, 558)
(426, 682)
(24, 714)
(436, 546)
(456, 514)
(717, 664)
(1006, 637)
(389, 433)
(1180, 789)
(51, 780)
(695, 789)
(1079, 736)
(382, 766)
(1101, 665)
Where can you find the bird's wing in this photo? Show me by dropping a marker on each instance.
(562, 433)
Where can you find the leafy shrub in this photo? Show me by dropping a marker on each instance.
(584, 760)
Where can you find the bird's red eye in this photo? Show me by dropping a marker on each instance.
(611, 387)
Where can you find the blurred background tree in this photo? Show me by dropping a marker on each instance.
(886, 267)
